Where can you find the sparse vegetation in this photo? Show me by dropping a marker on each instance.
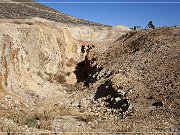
(40, 120)
(31, 122)
(17, 22)
(86, 118)
(60, 78)
(68, 73)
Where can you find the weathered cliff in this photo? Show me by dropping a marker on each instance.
(34, 56)
(37, 54)
(54, 73)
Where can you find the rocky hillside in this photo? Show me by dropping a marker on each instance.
(73, 77)
(136, 81)
(17, 10)
(38, 67)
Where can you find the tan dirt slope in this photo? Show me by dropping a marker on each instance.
(60, 75)
(138, 79)
(38, 69)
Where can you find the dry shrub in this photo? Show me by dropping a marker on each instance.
(50, 78)
(86, 118)
(17, 22)
(31, 122)
(60, 78)
(70, 62)
(40, 74)
(41, 120)
(68, 73)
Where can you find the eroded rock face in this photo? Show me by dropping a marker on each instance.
(35, 56)
(39, 55)
(38, 70)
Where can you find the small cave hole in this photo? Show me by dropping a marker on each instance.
(158, 104)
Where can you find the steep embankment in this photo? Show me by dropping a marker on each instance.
(38, 69)
(133, 80)
(37, 63)
(71, 75)
(137, 80)
(33, 54)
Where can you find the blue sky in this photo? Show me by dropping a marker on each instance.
(129, 14)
